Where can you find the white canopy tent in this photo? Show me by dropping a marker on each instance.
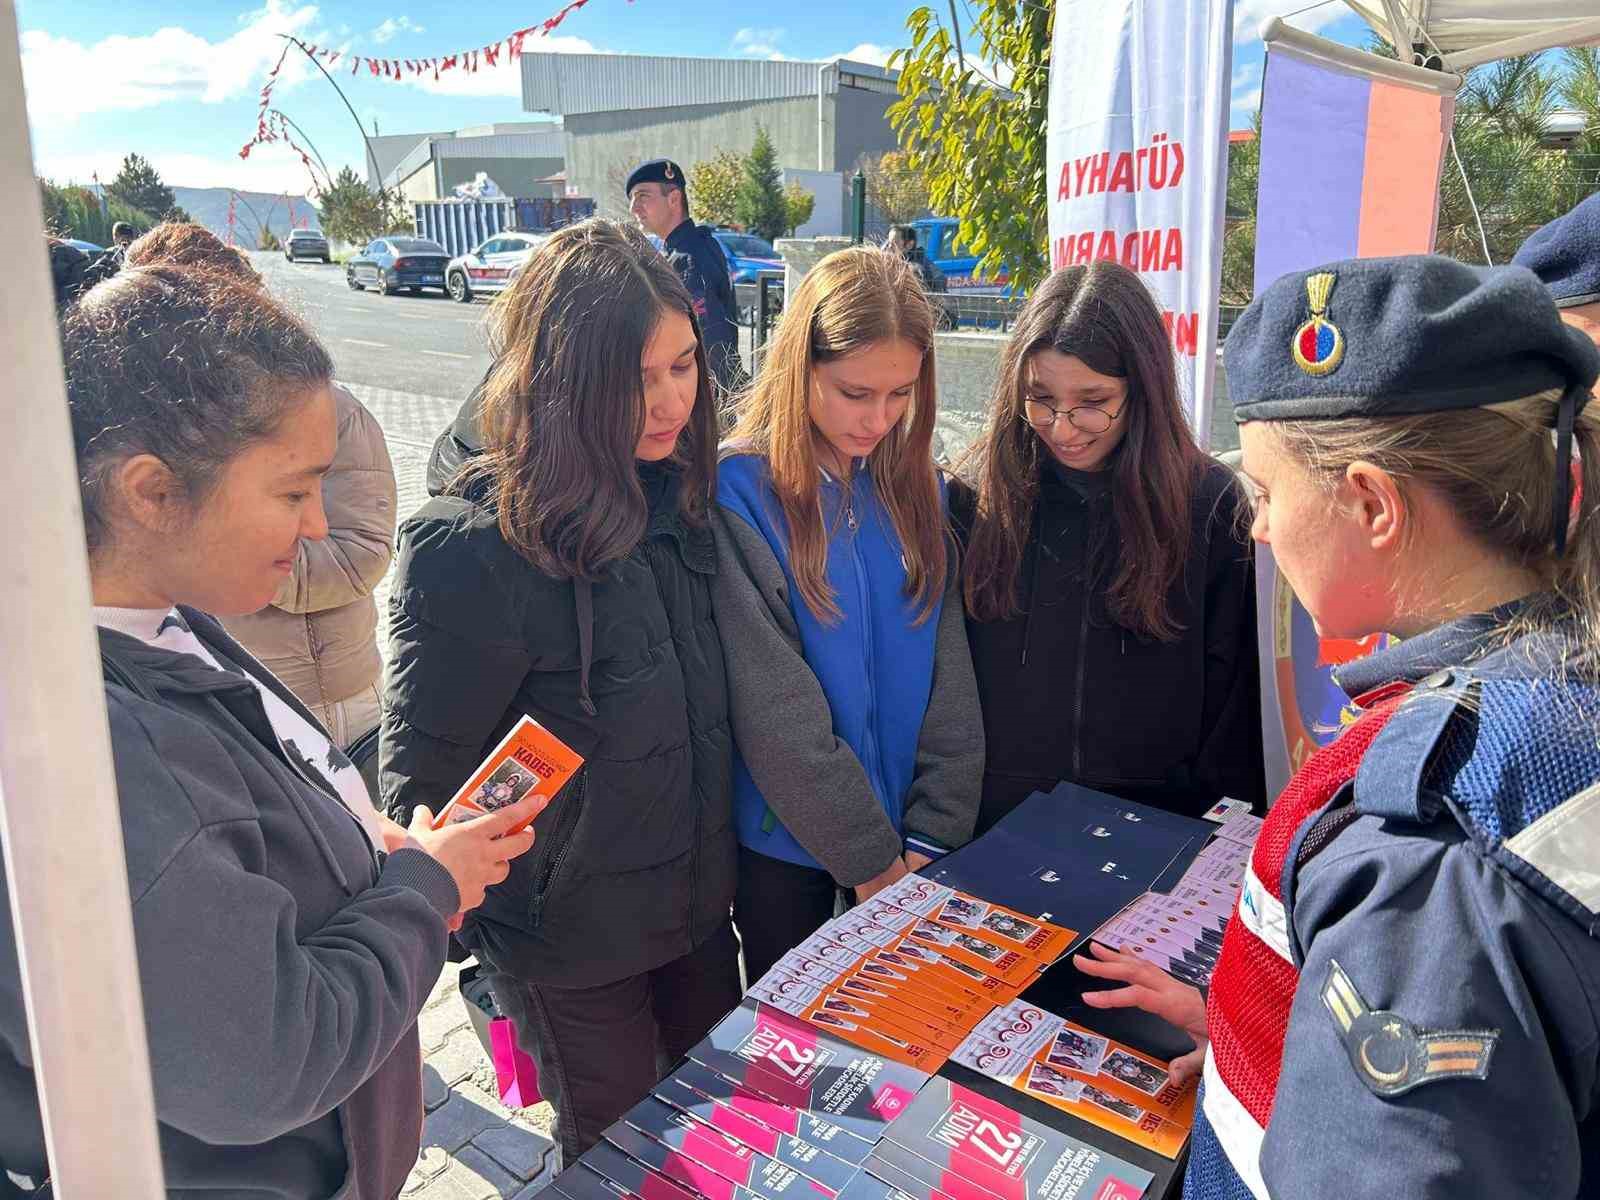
(1468, 33)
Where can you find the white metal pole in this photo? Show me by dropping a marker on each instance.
(822, 146)
(65, 870)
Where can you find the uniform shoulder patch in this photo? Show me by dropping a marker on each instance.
(1390, 1054)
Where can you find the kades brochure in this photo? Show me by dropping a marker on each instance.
(1103, 1082)
(529, 758)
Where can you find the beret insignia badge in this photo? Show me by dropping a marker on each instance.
(1318, 345)
(1390, 1054)
(669, 172)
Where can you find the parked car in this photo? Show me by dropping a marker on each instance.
(306, 243)
(747, 255)
(391, 263)
(491, 266)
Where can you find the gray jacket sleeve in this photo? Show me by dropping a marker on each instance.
(782, 723)
(1423, 927)
(942, 807)
(258, 1026)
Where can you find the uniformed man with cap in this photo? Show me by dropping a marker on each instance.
(1565, 254)
(659, 200)
(1407, 1003)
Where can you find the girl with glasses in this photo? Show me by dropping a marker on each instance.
(1108, 583)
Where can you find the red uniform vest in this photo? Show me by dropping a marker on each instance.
(1257, 973)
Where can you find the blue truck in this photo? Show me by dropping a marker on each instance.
(939, 238)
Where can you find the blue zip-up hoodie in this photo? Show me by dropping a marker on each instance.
(875, 665)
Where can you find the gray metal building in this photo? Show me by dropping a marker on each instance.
(619, 110)
(521, 157)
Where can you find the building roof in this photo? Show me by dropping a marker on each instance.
(391, 148)
(521, 139)
(570, 84)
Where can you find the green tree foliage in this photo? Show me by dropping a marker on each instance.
(714, 188)
(760, 204)
(798, 205)
(139, 185)
(71, 211)
(353, 213)
(1239, 238)
(268, 241)
(980, 146)
(896, 188)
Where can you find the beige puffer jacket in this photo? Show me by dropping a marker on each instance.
(319, 634)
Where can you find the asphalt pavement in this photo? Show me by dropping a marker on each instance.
(427, 344)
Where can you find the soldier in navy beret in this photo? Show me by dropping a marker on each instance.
(659, 200)
(1406, 1000)
(1565, 254)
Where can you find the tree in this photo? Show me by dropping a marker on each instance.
(353, 213)
(1239, 237)
(714, 188)
(139, 185)
(760, 205)
(178, 213)
(981, 146)
(798, 205)
(268, 240)
(895, 188)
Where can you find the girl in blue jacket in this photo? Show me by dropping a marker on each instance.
(858, 738)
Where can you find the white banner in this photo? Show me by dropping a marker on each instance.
(1137, 164)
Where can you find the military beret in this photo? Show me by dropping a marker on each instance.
(1566, 255)
(657, 170)
(1390, 336)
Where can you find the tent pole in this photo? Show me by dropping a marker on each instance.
(59, 823)
(1576, 33)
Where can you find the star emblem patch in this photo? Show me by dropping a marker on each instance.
(1390, 1054)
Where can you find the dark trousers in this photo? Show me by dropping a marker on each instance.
(601, 1049)
(777, 906)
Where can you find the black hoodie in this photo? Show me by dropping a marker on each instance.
(1068, 694)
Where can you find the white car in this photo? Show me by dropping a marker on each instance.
(489, 268)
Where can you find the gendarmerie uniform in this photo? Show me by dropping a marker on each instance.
(1407, 1005)
(702, 266)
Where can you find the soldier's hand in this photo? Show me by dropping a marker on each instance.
(1153, 990)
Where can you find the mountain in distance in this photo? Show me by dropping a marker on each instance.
(209, 207)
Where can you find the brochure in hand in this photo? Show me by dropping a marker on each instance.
(530, 758)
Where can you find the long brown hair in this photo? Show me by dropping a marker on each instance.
(1104, 315)
(850, 300)
(563, 407)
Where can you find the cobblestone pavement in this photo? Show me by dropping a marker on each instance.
(473, 1147)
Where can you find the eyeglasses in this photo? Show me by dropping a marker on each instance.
(1091, 418)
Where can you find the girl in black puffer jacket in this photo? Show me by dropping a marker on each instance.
(567, 577)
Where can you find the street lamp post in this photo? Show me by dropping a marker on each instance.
(372, 158)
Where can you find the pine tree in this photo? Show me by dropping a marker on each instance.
(139, 185)
(760, 203)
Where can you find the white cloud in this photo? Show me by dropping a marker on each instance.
(505, 79)
(67, 79)
(869, 52)
(1249, 14)
(759, 43)
(395, 25)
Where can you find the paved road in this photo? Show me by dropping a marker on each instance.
(427, 344)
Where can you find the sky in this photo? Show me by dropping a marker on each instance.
(178, 81)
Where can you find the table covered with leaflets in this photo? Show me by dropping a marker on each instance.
(932, 1043)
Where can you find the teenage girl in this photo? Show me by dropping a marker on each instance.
(859, 747)
(1108, 582)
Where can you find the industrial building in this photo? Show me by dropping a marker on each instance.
(523, 158)
(618, 110)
